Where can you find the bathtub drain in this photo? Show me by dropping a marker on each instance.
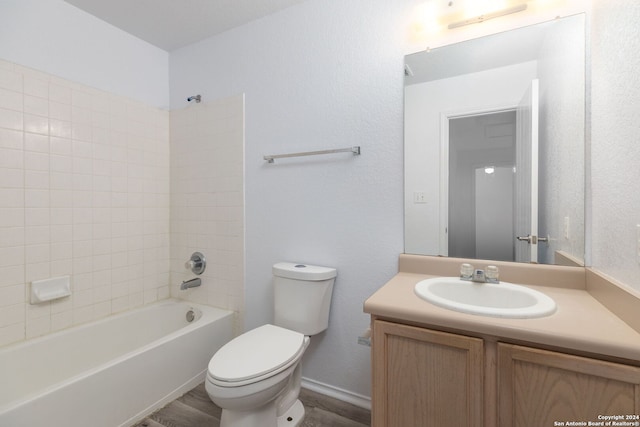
(190, 316)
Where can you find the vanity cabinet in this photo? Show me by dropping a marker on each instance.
(423, 377)
(539, 388)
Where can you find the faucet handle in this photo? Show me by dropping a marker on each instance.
(466, 271)
(492, 274)
(197, 263)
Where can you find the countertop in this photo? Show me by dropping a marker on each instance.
(581, 323)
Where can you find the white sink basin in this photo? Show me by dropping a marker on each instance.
(486, 299)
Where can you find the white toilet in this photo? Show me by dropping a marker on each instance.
(255, 378)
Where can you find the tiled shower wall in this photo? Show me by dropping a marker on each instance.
(84, 191)
(207, 202)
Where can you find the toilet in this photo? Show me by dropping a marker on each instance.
(255, 378)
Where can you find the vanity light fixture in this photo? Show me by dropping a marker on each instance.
(489, 170)
(487, 16)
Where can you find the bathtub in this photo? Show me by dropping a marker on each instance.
(112, 372)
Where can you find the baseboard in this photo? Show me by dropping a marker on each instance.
(337, 393)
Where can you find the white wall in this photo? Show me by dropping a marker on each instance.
(615, 138)
(561, 71)
(324, 74)
(60, 39)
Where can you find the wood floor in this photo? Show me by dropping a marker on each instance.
(195, 409)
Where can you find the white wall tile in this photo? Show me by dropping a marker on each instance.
(12, 139)
(12, 333)
(35, 142)
(36, 216)
(36, 105)
(206, 220)
(60, 93)
(34, 85)
(59, 111)
(36, 124)
(11, 178)
(11, 80)
(63, 163)
(12, 217)
(11, 197)
(11, 256)
(11, 100)
(60, 128)
(75, 164)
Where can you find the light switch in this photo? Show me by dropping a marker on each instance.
(419, 197)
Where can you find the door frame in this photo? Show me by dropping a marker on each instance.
(445, 117)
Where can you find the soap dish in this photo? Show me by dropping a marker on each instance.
(50, 289)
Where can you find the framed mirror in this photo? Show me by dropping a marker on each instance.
(495, 146)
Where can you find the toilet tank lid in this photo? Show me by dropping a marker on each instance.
(299, 271)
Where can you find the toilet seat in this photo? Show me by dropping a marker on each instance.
(255, 355)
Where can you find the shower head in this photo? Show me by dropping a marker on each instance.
(196, 98)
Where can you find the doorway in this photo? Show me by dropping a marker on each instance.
(481, 185)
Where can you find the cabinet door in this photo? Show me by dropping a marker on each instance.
(424, 378)
(543, 388)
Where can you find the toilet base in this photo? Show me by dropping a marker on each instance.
(293, 417)
(264, 417)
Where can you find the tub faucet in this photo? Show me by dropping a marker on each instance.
(193, 283)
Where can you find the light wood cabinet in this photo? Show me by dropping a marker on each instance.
(425, 378)
(539, 388)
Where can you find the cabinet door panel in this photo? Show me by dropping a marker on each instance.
(538, 387)
(425, 378)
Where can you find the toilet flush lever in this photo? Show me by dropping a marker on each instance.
(197, 263)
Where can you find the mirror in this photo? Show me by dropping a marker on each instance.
(494, 146)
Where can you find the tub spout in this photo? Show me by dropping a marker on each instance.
(190, 283)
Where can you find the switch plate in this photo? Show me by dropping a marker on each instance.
(566, 228)
(419, 197)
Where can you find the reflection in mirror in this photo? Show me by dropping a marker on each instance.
(494, 146)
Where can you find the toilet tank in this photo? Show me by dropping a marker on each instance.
(302, 296)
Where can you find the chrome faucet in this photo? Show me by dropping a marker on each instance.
(193, 283)
(490, 275)
(478, 276)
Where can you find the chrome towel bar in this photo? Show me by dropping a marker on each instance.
(354, 150)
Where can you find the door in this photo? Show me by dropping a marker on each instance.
(526, 188)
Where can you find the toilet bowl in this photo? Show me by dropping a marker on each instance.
(255, 378)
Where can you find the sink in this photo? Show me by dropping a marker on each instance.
(486, 299)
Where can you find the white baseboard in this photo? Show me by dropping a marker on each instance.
(337, 393)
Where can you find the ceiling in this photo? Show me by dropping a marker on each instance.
(171, 24)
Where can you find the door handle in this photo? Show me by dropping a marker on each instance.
(532, 240)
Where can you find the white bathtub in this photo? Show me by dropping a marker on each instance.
(111, 372)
